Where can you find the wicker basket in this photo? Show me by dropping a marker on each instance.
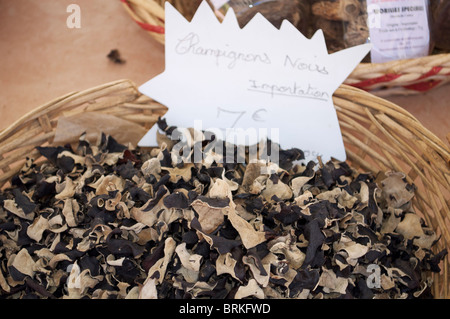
(38, 127)
(401, 77)
(378, 136)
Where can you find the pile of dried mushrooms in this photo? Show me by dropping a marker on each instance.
(105, 221)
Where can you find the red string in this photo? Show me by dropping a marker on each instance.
(146, 26)
(150, 27)
(366, 84)
(420, 87)
(423, 86)
(426, 85)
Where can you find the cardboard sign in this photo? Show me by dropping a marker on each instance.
(252, 83)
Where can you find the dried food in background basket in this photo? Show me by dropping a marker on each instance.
(102, 221)
(295, 11)
(440, 19)
(344, 22)
(188, 7)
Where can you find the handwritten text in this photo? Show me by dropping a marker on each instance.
(191, 44)
(293, 90)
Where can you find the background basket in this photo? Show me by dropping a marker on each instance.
(400, 77)
(378, 136)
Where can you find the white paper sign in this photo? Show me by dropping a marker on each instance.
(256, 79)
(398, 29)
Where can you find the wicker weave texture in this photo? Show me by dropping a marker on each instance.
(400, 77)
(378, 136)
(37, 128)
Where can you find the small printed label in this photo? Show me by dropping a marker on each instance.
(250, 84)
(398, 29)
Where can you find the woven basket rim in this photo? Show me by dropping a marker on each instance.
(4, 133)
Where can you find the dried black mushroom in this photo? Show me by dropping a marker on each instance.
(104, 221)
(114, 56)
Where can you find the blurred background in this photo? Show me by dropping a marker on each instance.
(41, 58)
